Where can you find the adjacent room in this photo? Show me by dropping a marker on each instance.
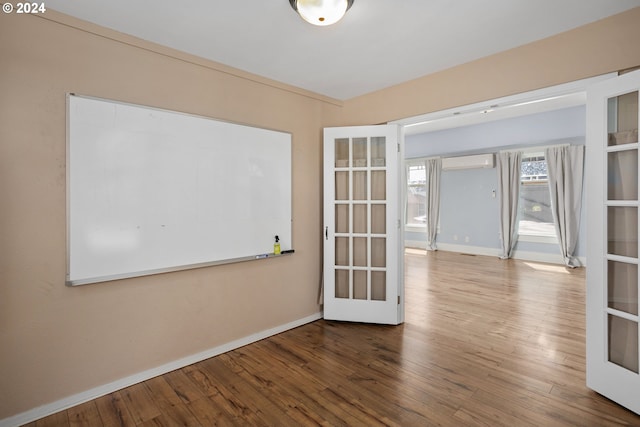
(469, 199)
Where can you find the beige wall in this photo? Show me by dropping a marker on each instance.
(56, 341)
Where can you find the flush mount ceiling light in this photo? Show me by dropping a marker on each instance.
(321, 12)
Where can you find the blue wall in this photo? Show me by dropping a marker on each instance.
(467, 208)
(548, 128)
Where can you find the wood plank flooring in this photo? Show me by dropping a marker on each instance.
(486, 342)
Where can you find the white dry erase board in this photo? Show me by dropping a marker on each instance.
(152, 191)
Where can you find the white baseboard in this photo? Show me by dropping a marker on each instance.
(467, 249)
(550, 258)
(94, 393)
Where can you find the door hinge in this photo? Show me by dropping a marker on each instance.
(398, 147)
(398, 299)
(399, 224)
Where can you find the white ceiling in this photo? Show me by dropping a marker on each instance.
(379, 43)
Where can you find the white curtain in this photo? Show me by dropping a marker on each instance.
(433, 170)
(509, 193)
(565, 168)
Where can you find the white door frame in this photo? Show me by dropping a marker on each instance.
(532, 102)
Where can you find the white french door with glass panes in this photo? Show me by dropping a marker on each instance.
(363, 273)
(612, 250)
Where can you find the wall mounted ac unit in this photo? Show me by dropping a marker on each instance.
(468, 162)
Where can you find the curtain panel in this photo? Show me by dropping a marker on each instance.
(433, 170)
(508, 166)
(565, 169)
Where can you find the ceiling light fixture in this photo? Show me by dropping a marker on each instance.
(321, 12)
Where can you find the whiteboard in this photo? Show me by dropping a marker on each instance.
(151, 191)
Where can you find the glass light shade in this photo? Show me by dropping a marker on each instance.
(322, 12)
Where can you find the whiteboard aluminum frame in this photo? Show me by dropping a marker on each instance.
(142, 273)
(112, 277)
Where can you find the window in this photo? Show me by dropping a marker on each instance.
(416, 212)
(535, 216)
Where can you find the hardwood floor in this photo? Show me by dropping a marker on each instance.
(485, 343)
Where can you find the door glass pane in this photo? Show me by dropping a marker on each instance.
(622, 175)
(360, 208)
(342, 152)
(378, 155)
(359, 152)
(342, 218)
(622, 231)
(378, 185)
(622, 286)
(342, 251)
(623, 119)
(623, 342)
(342, 284)
(378, 285)
(378, 219)
(359, 218)
(342, 185)
(359, 284)
(360, 251)
(359, 185)
(378, 252)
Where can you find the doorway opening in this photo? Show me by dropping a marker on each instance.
(468, 220)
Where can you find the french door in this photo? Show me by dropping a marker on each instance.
(612, 240)
(363, 274)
